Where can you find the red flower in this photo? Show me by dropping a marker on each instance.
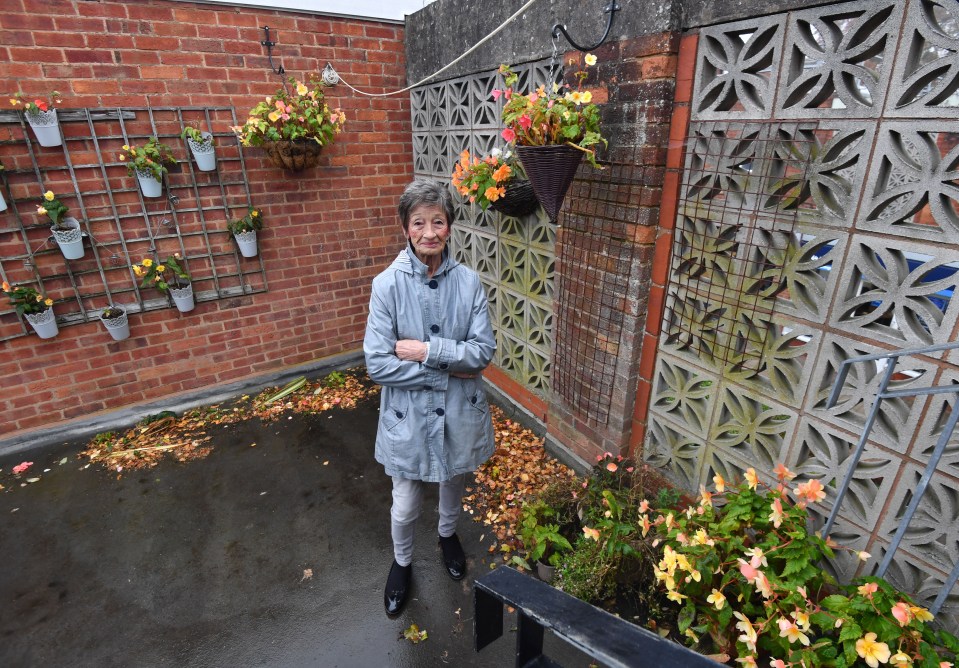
(509, 135)
(41, 104)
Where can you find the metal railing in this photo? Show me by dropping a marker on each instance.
(610, 640)
(885, 393)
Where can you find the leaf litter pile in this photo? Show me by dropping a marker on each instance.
(186, 438)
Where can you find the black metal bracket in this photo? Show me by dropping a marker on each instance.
(610, 9)
(269, 44)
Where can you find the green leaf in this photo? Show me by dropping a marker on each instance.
(687, 615)
(836, 602)
(850, 631)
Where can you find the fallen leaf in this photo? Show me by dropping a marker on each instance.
(307, 574)
(63, 461)
(414, 634)
(33, 479)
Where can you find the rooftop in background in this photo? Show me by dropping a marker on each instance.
(390, 10)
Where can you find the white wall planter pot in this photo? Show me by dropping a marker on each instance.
(44, 324)
(3, 203)
(149, 185)
(204, 153)
(183, 298)
(69, 239)
(46, 127)
(119, 328)
(247, 243)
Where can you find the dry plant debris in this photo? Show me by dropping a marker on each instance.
(185, 438)
(517, 472)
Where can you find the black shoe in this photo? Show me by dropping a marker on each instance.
(397, 588)
(453, 557)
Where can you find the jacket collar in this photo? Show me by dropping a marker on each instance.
(407, 262)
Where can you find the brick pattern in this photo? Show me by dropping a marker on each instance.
(329, 230)
(606, 250)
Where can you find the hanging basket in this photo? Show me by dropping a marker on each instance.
(550, 170)
(295, 155)
(519, 200)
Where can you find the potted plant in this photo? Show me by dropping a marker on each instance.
(552, 131)
(35, 307)
(292, 127)
(542, 539)
(167, 276)
(42, 117)
(497, 181)
(3, 202)
(201, 145)
(149, 163)
(114, 318)
(66, 229)
(244, 231)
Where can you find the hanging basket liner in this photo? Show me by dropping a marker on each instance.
(550, 170)
(519, 200)
(294, 155)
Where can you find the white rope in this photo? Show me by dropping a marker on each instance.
(440, 71)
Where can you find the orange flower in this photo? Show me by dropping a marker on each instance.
(502, 173)
(493, 193)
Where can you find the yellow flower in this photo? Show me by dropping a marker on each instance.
(900, 659)
(147, 262)
(752, 478)
(41, 210)
(717, 598)
(587, 96)
(590, 59)
(48, 301)
(126, 147)
(6, 287)
(49, 195)
(676, 596)
(39, 298)
(301, 89)
(122, 157)
(138, 270)
(161, 268)
(273, 116)
(921, 614)
(14, 101)
(720, 483)
(873, 652)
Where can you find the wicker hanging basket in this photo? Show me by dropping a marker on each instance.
(550, 170)
(294, 155)
(519, 200)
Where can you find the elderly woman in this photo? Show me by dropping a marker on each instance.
(428, 338)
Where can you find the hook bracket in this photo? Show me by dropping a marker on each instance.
(610, 9)
(269, 44)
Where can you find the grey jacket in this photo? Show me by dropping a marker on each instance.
(432, 425)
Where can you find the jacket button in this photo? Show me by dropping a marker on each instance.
(473, 399)
(440, 411)
(433, 284)
(434, 328)
(399, 415)
(444, 365)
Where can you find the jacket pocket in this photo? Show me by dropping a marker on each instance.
(396, 412)
(475, 395)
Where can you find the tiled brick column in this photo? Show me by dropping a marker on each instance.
(605, 253)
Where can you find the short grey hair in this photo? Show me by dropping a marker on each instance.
(420, 192)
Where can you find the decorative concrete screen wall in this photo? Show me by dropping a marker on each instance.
(513, 256)
(818, 221)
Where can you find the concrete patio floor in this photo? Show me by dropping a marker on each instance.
(202, 563)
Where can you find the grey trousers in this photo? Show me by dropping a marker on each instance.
(407, 500)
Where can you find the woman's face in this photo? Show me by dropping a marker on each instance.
(428, 231)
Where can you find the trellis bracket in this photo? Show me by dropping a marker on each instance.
(610, 9)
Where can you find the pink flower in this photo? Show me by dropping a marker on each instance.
(20, 468)
(526, 122)
(776, 517)
(868, 589)
(629, 469)
(902, 613)
(496, 93)
(509, 135)
(611, 467)
(533, 97)
(811, 491)
(591, 533)
(748, 571)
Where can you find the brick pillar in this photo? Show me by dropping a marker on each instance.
(606, 249)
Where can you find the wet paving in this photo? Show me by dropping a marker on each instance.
(203, 563)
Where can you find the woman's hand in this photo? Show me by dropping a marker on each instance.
(410, 350)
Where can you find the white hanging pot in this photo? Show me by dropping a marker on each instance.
(46, 127)
(44, 324)
(149, 185)
(69, 237)
(119, 327)
(247, 243)
(183, 298)
(3, 203)
(204, 153)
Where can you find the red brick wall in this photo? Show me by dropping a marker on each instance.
(329, 230)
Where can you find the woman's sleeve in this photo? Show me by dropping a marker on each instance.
(379, 345)
(476, 352)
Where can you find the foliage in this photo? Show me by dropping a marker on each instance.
(285, 116)
(588, 572)
(194, 133)
(27, 300)
(748, 577)
(252, 221)
(559, 116)
(334, 379)
(38, 105)
(484, 181)
(111, 312)
(52, 207)
(151, 157)
(162, 275)
(543, 540)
